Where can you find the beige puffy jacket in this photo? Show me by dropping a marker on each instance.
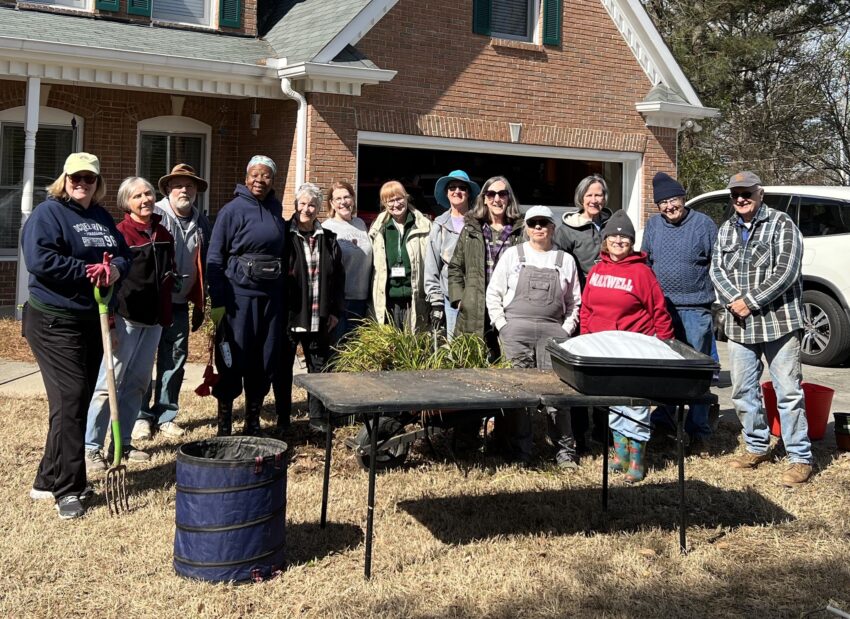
(417, 245)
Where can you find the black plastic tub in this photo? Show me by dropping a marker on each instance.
(640, 378)
(231, 509)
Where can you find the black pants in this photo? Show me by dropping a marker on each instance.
(316, 347)
(68, 353)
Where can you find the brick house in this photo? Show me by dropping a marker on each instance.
(542, 91)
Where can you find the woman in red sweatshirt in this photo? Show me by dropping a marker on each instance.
(622, 294)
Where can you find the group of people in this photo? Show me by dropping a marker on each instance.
(480, 268)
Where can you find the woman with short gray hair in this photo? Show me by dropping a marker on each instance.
(143, 309)
(315, 297)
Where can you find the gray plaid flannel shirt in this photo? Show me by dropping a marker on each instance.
(765, 272)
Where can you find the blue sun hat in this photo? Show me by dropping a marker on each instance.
(458, 175)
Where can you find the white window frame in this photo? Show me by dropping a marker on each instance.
(87, 5)
(534, 33)
(212, 11)
(47, 117)
(177, 125)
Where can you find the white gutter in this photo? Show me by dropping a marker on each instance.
(300, 130)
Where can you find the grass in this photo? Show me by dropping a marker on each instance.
(487, 541)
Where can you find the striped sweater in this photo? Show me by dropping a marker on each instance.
(764, 271)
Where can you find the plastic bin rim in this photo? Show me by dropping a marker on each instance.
(703, 363)
(182, 456)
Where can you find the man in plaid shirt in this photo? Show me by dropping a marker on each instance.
(756, 272)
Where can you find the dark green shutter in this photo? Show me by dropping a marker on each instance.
(552, 22)
(107, 5)
(230, 13)
(139, 7)
(481, 16)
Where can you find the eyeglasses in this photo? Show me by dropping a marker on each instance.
(454, 187)
(669, 202)
(345, 198)
(88, 179)
(502, 193)
(396, 200)
(536, 222)
(741, 194)
(619, 237)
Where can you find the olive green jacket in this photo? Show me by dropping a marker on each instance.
(467, 278)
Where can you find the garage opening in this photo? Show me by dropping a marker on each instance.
(535, 180)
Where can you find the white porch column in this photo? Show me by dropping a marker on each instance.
(30, 129)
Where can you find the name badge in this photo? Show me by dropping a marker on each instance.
(397, 271)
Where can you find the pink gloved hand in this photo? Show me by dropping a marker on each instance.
(102, 274)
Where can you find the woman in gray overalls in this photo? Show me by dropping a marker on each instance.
(534, 294)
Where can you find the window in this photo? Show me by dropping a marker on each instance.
(165, 141)
(160, 152)
(823, 217)
(73, 4)
(518, 19)
(53, 145)
(196, 12)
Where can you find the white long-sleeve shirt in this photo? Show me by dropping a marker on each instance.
(503, 283)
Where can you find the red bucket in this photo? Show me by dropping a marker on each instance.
(818, 401)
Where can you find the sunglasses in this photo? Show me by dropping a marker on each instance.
(89, 179)
(463, 188)
(502, 193)
(538, 222)
(741, 194)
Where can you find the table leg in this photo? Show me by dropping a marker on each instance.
(680, 447)
(370, 511)
(327, 479)
(605, 473)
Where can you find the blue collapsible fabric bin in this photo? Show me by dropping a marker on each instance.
(231, 509)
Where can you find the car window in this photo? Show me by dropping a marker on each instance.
(716, 207)
(823, 217)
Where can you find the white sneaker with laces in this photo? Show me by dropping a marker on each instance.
(141, 430)
(170, 428)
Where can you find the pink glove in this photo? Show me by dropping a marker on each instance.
(102, 274)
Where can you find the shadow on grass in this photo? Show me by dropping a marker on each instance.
(307, 541)
(463, 519)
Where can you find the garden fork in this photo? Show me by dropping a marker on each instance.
(116, 475)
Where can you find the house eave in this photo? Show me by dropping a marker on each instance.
(672, 115)
(105, 68)
(334, 79)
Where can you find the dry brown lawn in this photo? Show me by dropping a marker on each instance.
(492, 542)
(486, 541)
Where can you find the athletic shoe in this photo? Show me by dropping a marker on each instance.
(70, 507)
(135, 455)
(40, 495)
(94, 461)
(141, 430)
(169, 428)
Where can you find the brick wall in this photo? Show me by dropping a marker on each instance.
(469, 86)
(111, 118)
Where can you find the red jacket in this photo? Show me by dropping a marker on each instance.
(145, 294)
(624, 296)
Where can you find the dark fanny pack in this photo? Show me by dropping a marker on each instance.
(260, 266)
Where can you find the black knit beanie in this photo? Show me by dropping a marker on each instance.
(619, 224)
(664, 187)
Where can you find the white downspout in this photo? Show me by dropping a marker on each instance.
(30, 129)
(300, 130)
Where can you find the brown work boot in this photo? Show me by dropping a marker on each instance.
(749, 460)
(797, 473)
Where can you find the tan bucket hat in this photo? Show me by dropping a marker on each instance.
(181, 169)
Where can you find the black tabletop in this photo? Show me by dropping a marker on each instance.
(468, 389)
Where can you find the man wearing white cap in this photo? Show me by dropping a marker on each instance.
(533, 295)
(756, 270)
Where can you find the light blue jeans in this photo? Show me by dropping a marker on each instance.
(172, 352)
(783, 361)
(693, 326)
(626, 425)
(133, 358)
(451, 318)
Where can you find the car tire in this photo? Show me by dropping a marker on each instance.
(826, 332)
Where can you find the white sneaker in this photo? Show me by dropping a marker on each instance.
(40, 495)
(169, 428)
(141, 430)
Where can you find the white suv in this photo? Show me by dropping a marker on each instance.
(823, 216)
